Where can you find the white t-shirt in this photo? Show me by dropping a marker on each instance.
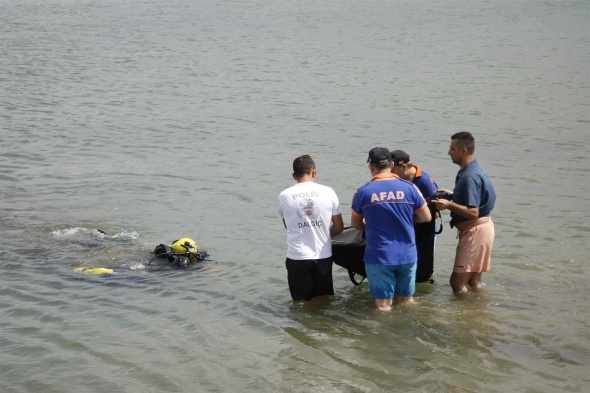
(307, 209)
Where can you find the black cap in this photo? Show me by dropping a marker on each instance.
(379, 156)
(400, 157)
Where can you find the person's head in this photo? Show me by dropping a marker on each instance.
(462, 148)
(401, 164)
(302, 166)
(379, 158)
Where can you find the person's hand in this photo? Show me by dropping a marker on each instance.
(441, 204)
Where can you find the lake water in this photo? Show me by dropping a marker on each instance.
(155, 120)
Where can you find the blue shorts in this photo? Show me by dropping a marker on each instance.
(385, 281)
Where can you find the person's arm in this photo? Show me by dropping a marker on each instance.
(356, 221)
(470, 191)
(469, 212)
(423, 215)
(337, 225)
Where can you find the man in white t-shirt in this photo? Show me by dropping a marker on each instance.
(312, 216)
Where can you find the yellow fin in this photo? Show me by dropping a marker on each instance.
(94, 270)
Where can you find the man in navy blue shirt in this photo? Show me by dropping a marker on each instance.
(473, 201)
(425, 232)
(405, 169)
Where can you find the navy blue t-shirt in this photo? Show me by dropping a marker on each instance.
(473, 187)
(424, 182)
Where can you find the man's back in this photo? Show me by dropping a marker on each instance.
(388, 208)
(307, 209)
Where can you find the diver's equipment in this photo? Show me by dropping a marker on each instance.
(183, 245)
(181, 261)
(434, 211)
(183, 252)
(94, 270)
(440, 195)
(348, 251)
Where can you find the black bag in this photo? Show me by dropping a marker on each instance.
(348, 251)
(425, 247)
(425, 237)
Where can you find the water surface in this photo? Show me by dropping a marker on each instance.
(153, 121)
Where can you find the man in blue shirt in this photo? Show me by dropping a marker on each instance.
(473, 200)
(385, 208)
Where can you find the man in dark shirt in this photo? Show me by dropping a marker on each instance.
(426, 231)
(473, 201)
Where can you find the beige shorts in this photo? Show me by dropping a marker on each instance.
(474, 250)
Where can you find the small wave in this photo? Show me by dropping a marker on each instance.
(69, 231)
(124, 235)
(137, 266)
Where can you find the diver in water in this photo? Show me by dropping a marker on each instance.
(182, 253)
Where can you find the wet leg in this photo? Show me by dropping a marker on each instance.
(475, 281)
(403, 300)
(459, 282)
(383, 304)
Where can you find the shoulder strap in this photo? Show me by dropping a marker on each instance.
(354, 281)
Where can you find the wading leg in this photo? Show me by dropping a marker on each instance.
(475, 280)
(383, 304)
(459, 282)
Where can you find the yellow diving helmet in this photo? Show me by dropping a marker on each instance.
(184, 245)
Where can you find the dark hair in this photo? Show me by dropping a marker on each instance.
(382, 165)
(303, 165)
(465, 139)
